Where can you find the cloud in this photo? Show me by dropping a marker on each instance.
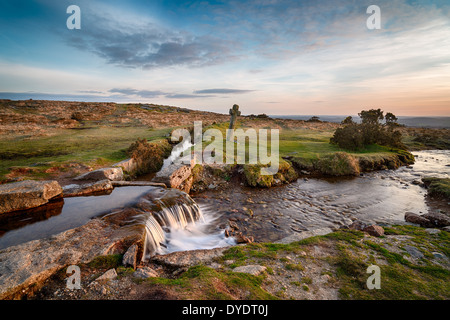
(130, 92)
(222, 91)
(146, 44)
(140, 93)
(186, 96)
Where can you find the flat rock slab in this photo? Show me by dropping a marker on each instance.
(252, 269)
(188, 258)
(76, 190)
(113, 174)
(27, 194)
(303, 235)
(138, 184)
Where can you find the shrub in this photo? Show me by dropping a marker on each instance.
(149, 156)
(349, 137)
(354, 136)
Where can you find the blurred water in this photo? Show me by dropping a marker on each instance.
(311, 203)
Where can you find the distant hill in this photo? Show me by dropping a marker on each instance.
(421, 122)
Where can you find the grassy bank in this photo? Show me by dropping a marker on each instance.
(438, 187)
(310, 150)
(95, 143)
(413, 265)
(43, 157)
(336, 262)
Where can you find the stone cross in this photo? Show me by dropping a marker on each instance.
(234, 113)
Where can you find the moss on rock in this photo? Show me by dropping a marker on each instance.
(285, 174)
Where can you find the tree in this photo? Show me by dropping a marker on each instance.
(391, 120)
(371, 116)
(348, 120)
(354, 136)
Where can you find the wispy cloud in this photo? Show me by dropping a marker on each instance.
(140, 93)
(222, 91)
(146, 44)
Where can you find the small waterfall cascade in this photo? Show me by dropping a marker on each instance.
(177, 223)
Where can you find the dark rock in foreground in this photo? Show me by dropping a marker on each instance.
(429, 220)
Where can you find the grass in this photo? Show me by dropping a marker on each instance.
(101, 144)
(93, 146)
(311, 150)
(204, 283)
(401, 278)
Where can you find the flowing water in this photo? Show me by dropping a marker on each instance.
(309, 203)
(173, 221)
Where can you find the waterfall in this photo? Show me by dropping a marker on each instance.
(177, 223)
(176, 153)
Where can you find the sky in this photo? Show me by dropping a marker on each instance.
(278, 57)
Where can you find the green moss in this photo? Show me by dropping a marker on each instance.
(307, 280)
(254, 178)
(438, 186)
(106, 262)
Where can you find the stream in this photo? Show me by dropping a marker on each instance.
(310, 203)
(266, 214)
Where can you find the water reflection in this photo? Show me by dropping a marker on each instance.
(66, 214)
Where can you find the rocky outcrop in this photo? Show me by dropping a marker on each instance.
(27, 194)
(285, 174)
(429, 220)
(374, 230)
(113, 174)
(174, 175)
(130, 257)
(129, 165)
(343, 164)
(26, 266)
(418, 219)
(439, 220)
